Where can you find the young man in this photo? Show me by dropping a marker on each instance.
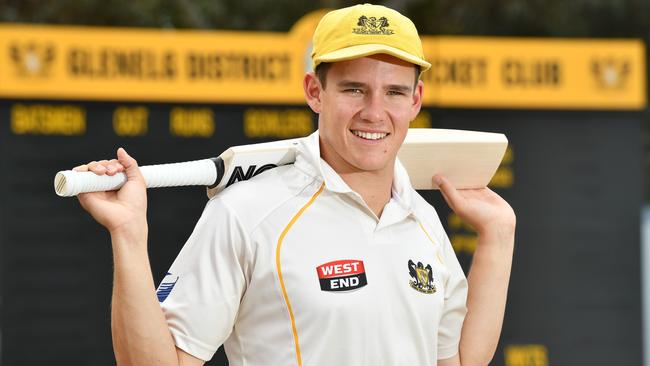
(334, 260)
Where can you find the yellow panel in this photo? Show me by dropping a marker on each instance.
(535, 73)
(251, 67)
(121, 64)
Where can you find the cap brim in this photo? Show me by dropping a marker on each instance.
(352, 52)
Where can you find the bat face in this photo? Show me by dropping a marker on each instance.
(240, 173)
(247, 161)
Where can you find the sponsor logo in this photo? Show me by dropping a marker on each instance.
(610, 73)
(372, 26)
(32, 59)
(342, 275)
(252, 170)
(166, 286)
(421, 277)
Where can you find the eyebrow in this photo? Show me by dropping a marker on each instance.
(400, 88)
(356, 84)
(351, 84)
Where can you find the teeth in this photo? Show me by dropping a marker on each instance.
(369, 135)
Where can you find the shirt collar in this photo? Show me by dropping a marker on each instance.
(308, 159)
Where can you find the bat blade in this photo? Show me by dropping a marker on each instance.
(468, 159)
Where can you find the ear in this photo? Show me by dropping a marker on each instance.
(313, 88)
(416, 101)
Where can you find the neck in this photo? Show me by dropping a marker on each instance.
(375, 186)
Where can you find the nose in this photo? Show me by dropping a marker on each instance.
(373, 110)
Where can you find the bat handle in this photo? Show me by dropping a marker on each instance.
(206, 172)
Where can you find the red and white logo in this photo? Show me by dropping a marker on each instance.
(342, 275)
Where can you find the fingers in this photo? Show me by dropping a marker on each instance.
(448, 191)
(114, 167)
(108, 167)
(130, 165)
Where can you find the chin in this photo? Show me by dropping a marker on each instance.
(371, 164)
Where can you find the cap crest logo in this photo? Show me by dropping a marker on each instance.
(372, 26)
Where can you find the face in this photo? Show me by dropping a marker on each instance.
(364, 111)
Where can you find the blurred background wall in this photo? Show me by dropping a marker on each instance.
(574, 109)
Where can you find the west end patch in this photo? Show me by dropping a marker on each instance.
(342, 275)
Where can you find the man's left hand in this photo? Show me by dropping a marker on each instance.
(481, 208)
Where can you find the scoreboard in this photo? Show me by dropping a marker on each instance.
(572, 172)
(56, 262)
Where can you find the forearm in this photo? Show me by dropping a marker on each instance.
(486, 299)
(140, 332)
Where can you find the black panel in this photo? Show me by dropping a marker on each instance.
(578, 183)
(577, 188)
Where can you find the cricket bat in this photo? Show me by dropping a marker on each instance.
(468, 159)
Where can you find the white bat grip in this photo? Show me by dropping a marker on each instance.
(200, 173)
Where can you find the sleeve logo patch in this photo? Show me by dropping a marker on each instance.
(342, 275)
(166, 286)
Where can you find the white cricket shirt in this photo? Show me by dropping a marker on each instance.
(292, 268)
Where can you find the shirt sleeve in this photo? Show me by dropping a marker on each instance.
(455, 306)
(201, 293)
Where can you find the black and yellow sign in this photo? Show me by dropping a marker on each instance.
(253, 67)
(535, 73)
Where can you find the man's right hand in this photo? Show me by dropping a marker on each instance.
(122, 212)
(139, 328)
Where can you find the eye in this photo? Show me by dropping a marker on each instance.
(353, 91)
(395, 92)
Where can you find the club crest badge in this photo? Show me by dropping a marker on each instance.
(373, 26)
(342, 275)
(32, 59)
(421, 277)
(610, 73)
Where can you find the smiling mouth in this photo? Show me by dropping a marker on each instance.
(369, 135)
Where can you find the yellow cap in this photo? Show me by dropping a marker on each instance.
(364, 30)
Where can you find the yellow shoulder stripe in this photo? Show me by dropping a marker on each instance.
(432, 242)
